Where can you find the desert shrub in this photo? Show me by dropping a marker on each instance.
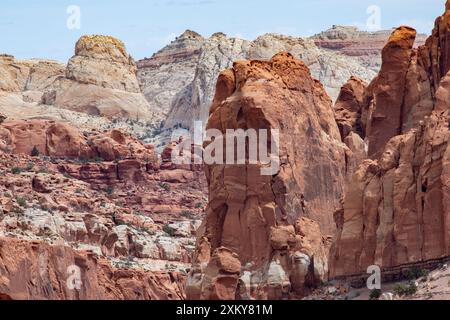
(21, 202)
(406, 289)
(199, 205)
(375, 294)
(169, 230)
(165, 186)
(29, 166)
(16, 170)
(416, 273)
(35, 152)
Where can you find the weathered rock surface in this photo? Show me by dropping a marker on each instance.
(349, 106)
(361, 45)
(100, 80)
(101, 200)
(396, 207)
(34, 270)
(186, 94)
(404, 91)
(259, 217)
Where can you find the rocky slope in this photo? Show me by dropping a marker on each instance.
(100, 201)
(396, 207)
(180, 79)
(262, 234)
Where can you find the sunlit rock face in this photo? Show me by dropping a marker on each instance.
(273, 224)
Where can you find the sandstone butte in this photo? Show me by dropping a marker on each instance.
(262, 235)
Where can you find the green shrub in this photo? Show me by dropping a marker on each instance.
(21, 202)
(29, 166)
(375, 294)
(16, 170)
(169, 230)
(165, 186)
(35, 152)
(416, 273)
(406, 289)
(198, 205)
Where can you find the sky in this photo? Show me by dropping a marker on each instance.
(50, 28)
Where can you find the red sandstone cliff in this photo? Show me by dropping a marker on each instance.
(267, 228)
(396, 208)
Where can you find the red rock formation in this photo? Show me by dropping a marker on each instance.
(113, 200)
(404, 91)
(388, 89)
(396, 207)
(63, 140)
(34, 270)
(348, 107)
(362, 45)
(248, 211)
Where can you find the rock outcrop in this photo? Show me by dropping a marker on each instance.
(272, 223)
(186, 96)
(34, 270)
(349, 106)
(62, 140)
(396, 208)
(100, 80)
(100, 201)
(361, 45)
(404, 91)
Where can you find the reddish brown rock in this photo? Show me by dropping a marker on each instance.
(388, 89)
(63, 140)
(33, 270)
(248, 210)
(404, 91)
(348, 107)
(396, 209)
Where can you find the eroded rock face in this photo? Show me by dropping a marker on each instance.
(186, 96)
(389, 89)
(100, 80)
(103, 61)
(38, 271)
(255, 216)
(59, 139)
(348, 107)
(28, 75)
(396, 207)
(361, 45)
(404, 91)
(97, 200)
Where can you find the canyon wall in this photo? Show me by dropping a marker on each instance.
(396, 208)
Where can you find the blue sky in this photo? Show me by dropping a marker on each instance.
(37, 28)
